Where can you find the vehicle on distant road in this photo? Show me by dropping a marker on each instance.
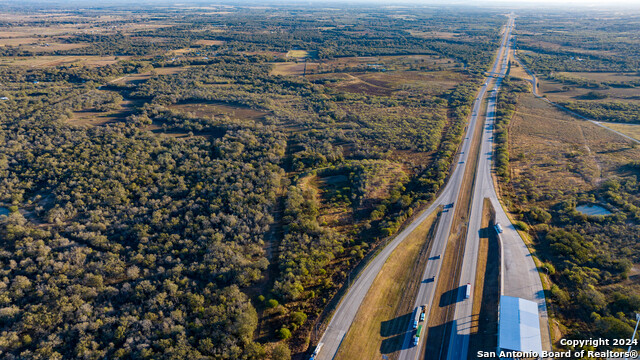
(499, 229)
(467, 291)
(415, 324)
(421, 317)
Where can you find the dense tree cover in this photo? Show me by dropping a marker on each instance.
(541, 60)
(592, 84)
(606, 111)
(506, 106)
(579, 41)
(138, 242)
(123, 243)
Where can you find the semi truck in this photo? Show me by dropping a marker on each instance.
(416, 339)
(423, 312)
(316, 351)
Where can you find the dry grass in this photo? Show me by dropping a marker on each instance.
(291, 68)
(385, 83)
(632, 130)
(556, 91)
(213, 109)
(209, 42)
(90, 118)
(302, 54)
(603, 76)
(484, 326)
(516, 70)
(434, 34)
(45, 61)
(364, 339)
(553, 153)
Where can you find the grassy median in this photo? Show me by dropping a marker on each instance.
(380, 323)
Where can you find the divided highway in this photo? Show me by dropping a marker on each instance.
(427, 290)
(519, 273)
(346, 311)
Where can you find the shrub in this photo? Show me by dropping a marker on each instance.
(284, 333)
(272, 303)
(298, 318)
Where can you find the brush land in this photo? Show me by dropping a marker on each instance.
(199, 182)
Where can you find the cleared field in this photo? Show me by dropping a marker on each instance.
(516, 70)
(603, 76)
(44, 61)
(90, 118)
(384, 83)
(558, 92)
(378, 327)
(632, 130)
(137, 78)
(210, 42)
(559, 154)
(19, 41)
(213, 109)
(434, 34)
(288, 68)
(302, 54)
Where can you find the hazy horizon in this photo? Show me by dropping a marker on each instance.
(587, 4)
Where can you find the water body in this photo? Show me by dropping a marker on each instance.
(593, 210)
(4, 210)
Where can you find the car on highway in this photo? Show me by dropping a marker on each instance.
(499, 229)
(416, 340)
(467, 291)
(422, 317)
(415, 324)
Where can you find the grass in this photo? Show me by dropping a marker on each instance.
(365, 340)
(213, 109)
(556, 157)
(210, 42)
(484, 326)
(632, 130)
(558, 92)
(302, 54)
(45, 61)
(291, 68)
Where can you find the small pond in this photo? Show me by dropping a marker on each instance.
(4, 210)
(593, 210)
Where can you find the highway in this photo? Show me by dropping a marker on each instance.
(347, 309)
(520, 277)
(409, 352)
